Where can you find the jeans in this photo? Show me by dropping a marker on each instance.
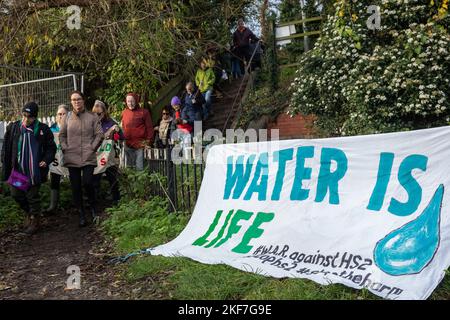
(82, 178)
(134, 158)
(28, 201)
(236, 68)
(207, 105)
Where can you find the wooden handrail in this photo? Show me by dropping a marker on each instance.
(287, 23)
(299, 35)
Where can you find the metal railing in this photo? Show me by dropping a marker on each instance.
(180, 182)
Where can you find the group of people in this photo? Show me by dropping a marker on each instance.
(29, 150)
(196, 101)
(30, 147)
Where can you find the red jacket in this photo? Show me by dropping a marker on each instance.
(185, 127)
(137, 127)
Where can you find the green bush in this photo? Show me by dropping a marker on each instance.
(10, 214)
(361, 81)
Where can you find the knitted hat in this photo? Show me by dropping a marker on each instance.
(175, 101)
(32, 108)
(135, 96)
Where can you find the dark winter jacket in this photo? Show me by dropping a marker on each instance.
(241, 39)
(47, 149)
(194, 101)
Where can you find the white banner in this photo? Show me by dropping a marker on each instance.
(366, 211)
(106, 157)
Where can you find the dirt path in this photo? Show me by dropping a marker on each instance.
(34, 267)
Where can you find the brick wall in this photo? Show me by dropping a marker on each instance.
(296, 127)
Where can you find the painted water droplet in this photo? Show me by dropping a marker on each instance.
(410, 248)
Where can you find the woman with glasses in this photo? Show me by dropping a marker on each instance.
(164, 129)
(80, 136)
(111, 131)
(55, 178)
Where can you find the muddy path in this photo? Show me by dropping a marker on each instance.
(35, 267)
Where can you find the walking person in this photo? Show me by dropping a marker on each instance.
(242, 39)
(27, 152)
(55, 178)
(205, 79)
(193, 100)
(111, 131)
(138, 129)
(80, 136)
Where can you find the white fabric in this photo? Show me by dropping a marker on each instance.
(106, 157)
(399, 248)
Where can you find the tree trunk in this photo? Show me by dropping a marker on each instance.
(263, 20)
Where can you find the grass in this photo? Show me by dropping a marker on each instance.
(137, 225)
(143, 223)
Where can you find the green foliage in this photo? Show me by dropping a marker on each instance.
(138, 184)
(264, 101)
(359, 81)
(138, 224)
(10, 213)
(141, 219)
(137, 45)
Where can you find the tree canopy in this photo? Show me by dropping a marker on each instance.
(133, 45)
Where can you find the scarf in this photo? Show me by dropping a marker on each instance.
(163, 128)
(28, 155)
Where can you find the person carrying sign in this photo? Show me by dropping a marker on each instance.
(112, 132)
(80, 136)
(27, 152)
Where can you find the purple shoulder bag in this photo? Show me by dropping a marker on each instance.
(19, 180)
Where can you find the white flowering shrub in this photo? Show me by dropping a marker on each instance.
(358, 81)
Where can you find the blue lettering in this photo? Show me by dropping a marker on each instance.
(237, 178)
(412, 187)
(301, 173)
(329, 180)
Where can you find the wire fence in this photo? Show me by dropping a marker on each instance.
(48, 88)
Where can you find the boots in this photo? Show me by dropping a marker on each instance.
(95, 217)
(82, 216)
(33, 225)
(54, 199)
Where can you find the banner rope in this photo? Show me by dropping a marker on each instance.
(123, 259)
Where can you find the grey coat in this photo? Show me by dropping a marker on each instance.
(80, 136)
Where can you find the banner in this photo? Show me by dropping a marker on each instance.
(106, 157)
(365, 211)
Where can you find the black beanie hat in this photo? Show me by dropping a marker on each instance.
(32, 108)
